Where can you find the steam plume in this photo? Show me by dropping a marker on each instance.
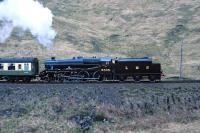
(29, 15)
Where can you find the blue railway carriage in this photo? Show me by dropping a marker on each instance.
(18, 69)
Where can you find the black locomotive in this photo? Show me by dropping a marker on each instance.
(79, 68)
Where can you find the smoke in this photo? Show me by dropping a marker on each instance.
(5, 31)
(29, 15)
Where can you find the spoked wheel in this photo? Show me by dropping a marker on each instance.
(47, 79)
(83, 75)
(56, 77)
(122, 78)
(12, 80)
(60, 78)
(67, 76)
(17, 79)
(152, 78)
(26, 79)
(97, 75)
(137, 78)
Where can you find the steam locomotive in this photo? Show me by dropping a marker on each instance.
(80, 69)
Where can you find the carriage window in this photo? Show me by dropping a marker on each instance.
(137, 67)
(11, 67)
(26, 67)
(19, 66)
(147, 67)
(1, 66)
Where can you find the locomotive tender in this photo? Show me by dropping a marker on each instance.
(81, 69)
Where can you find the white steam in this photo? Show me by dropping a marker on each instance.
(29, 15)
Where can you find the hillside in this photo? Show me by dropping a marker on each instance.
(128, 28)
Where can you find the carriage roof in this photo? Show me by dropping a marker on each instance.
(17, 60)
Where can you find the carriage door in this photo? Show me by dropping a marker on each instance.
(26, 67)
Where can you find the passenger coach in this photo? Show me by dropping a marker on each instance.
(15, 69)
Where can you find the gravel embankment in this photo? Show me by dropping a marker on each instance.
(37, 107)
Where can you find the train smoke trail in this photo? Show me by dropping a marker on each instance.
(29, 15)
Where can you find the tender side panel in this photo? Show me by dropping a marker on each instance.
(131, 68)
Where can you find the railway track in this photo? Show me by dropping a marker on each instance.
(105, 82)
